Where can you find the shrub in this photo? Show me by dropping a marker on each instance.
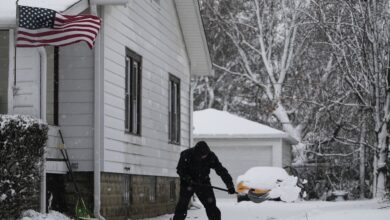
(22, 141)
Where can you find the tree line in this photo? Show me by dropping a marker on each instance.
(317, 69)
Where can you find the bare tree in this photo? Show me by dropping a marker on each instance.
(359, 34)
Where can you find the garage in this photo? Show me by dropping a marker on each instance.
(240, 143)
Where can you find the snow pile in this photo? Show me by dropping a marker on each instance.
(362, 214)
(276, 179)
(52, 215)
(215, 122)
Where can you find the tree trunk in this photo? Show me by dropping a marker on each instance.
(210, 92)
(380, 170)
(295, 132)
(362, 161)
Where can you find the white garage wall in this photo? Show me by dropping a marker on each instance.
(238, 155)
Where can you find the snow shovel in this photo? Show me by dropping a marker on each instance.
(257, 198)
(252, 196)
(81, 210)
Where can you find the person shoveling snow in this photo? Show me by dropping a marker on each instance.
(268, 182)
(194, 170)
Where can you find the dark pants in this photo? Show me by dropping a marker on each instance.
(205, 195)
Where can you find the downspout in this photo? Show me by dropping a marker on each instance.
(191, 104)
(99, 105)
(98, 116)
(43, 85)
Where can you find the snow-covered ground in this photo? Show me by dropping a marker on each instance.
(351, 210)
(231, 210)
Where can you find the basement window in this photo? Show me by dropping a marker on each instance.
(127, 190)
(172, 190)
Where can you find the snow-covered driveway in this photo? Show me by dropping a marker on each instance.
(354, 210)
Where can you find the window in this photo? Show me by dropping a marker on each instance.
(133, 93)
(52, 86)
(174, 110)
(4, 59)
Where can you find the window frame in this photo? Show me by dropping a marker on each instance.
(130, 59)
(174, 137)
(55, 83)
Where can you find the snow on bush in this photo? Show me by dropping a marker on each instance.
(22, 141)
(52, 215)
(275, 179)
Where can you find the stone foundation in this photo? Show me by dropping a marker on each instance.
(123, 196)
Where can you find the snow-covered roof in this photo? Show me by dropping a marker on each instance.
(219, 124)
(8, 8)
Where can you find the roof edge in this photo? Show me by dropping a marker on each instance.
(284, 136)
(204, 39)
(189, 16)
(77, 8)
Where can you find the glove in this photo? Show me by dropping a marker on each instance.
(231, 190)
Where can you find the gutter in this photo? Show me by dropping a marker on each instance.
(99, 104)
(43, 86)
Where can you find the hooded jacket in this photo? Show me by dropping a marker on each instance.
(192, 168)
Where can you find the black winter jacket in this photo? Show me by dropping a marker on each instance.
(198, 171)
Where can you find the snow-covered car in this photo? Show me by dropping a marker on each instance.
(274, 183)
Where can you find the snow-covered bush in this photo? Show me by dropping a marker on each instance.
(22, 141)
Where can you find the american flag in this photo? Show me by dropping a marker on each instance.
(43, 27)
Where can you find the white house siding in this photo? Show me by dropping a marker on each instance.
(152, 31)
(27, 97)
(4, 42)
(76, 103)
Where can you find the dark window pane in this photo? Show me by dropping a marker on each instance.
(4, 59)
(174, 110)
(52, 86)
(133, 93)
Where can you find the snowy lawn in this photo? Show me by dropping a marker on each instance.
(352, 210)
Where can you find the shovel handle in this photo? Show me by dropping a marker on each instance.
(214, 187)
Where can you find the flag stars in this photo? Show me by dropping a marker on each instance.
(35, 18)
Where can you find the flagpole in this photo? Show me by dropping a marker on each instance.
(15, 42)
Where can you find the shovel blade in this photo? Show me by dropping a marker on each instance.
(256, 198)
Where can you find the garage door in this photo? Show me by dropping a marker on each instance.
(238, 160)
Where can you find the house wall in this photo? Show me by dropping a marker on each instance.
(152, 30)
(238, 155)
(27, 97)
(76, 89)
